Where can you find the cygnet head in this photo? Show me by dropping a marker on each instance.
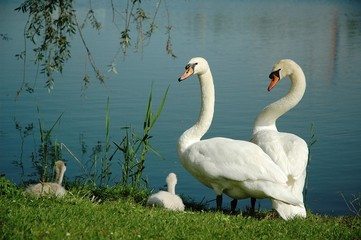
(60, 165)
(171, 179)
(60, 169)
(197, 65)
(280, 70)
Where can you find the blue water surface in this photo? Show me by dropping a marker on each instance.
(241, 41)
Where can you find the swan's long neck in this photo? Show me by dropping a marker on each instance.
(269, 115)
(196, 132)
(60, 170)
(171, 188)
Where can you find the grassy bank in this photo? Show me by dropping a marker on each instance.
(108, 214)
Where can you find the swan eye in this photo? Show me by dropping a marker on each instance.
(275, 73)
(189, 71)
(190, 65)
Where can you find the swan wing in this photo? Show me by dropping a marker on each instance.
(288, 151)
(287, 211)
(232, 160)
(296, 150)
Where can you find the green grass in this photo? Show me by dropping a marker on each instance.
(116, 213)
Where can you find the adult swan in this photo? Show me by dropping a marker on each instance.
(287, 150)
(237, 168)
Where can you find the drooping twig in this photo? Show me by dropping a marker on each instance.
(99, 75)
(351, 205)
(169, 48)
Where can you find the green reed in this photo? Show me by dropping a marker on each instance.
(45, 153)
(105, 173)
(24, 132)
(97, 169)
(311, 142)
(135, 147)
(48, 151)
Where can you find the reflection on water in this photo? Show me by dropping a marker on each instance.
(242, 41)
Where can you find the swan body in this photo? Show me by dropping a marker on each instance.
(167, 199)
(240, 169)
(287, 150)
(50, 187)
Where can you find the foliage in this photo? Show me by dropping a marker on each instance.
(106, 194)
(4, 36)
(105, 168)
(169, 47)
(24, 132)
(52, 25)
(354, 205)
(135, 147)
(98, 170)
(45, 153)
(48, 153)
(7, 187)
(311, 142)
(77, 217)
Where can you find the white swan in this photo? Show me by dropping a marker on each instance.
(237, 168)
(50, 187)
(168, 199)
(287, 150)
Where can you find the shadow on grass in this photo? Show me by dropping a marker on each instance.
(203, 206)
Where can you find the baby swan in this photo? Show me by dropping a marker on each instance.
(50, 187)
(167, 199)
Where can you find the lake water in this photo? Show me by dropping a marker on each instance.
(241, 40)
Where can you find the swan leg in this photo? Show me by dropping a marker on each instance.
(233, 205)
(219, 200)
(253, 204)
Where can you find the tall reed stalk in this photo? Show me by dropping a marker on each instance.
(49, 152)
(24, 132)
(135, 147)
(311, 142)
(105, 161)
(100, 170)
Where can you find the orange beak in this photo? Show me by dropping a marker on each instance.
(274, 81)
(189, 71)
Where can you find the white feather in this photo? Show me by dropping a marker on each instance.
(237, 168)
(50, 187)
(167, 199)
(287, 150)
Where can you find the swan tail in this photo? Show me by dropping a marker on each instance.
(282, 193)
(274, 191)
(287, 211)
(286, 197)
